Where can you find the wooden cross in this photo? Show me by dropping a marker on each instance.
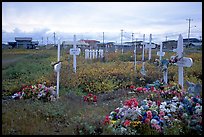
(149, 46)
(74, 51)
(57, 68)
(181, 61)
(160, 53)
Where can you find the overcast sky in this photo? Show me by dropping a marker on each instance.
(88, 20)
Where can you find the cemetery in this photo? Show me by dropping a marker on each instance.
(96, 92)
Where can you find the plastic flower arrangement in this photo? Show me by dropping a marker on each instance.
(39, 91)
(90, 98)
(156, 114)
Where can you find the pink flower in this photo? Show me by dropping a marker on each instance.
(147, 121)
(161, 114)
(126, 123)
(158, 128)
(149, 114)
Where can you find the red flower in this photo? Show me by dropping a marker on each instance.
(149, 114)
(152, 88)
(107, 120)
(95, 98)
(126, 123)
(132, 87)
(147, 121)
(85, 98)
(90, 95)
(158, 103)
(131, 103)
(139, 88)
(139, 117)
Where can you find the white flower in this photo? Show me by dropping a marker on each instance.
(166, 117)
(175, 98)
(167, 110)
(15, 95)
(173, 108)
(154, 121)
(123, 129)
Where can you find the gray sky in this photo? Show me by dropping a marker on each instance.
(88, 20)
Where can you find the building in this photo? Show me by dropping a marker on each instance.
(69, 44)
(92, 43)
(193, 43)
(170, 44)
(23, 42)
(12, 44)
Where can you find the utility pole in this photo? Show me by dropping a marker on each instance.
(189, 22)
(54, 38)
(122, 40)
(42, 40)
(166, 38)
(47, 40)
(103, 39)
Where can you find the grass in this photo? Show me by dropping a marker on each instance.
(70, 115)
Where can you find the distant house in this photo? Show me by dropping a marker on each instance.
(92, 43)
(69, 44)
(193, 42)
(12, 44)
(107, 44)
(23, 42)
(170, 44)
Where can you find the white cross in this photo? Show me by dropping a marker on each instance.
(160, 53)
(74, 51)
(57, 68)
(142, 71)
(165, 69)
(143, 48)
(182, 61)
(149, 46)
(135, 56)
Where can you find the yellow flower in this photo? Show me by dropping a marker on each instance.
(112, 121)
(135, 123)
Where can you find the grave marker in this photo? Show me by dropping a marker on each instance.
(57, 68)
(74, 51)
(160, 53)
(143, 48)
(165, 70)
(135, 57)
(143, 71)
(149, 46)
(181, 61)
